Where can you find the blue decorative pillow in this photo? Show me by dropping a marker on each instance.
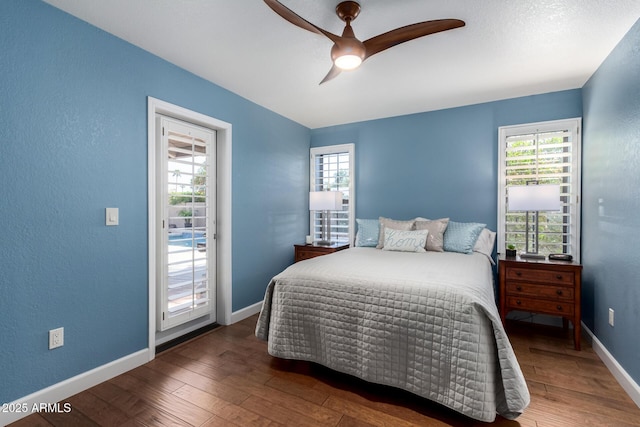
(462, 236)
(368, 232)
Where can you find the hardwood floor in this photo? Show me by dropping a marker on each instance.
(226, 378)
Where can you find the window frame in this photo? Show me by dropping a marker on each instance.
(574, 125)
(329, 150)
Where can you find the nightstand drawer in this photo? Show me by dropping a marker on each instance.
(540, 306)
(524, 289)
(537, 275)
(302, 254)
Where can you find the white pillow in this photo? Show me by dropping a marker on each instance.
(485, 242)
(405, 241)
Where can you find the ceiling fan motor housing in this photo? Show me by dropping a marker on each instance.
(349, 48)
(348, 10)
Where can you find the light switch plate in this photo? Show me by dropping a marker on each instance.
(112, 216)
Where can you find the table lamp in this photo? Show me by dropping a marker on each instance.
(325, 201)
(533, 197)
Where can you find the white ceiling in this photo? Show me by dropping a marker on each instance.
(507, 49)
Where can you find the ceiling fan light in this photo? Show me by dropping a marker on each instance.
(348, 62)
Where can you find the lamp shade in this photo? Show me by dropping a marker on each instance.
(325, 201)
(543, 197)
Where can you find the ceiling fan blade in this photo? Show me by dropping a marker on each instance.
(333, 72)
(295, 19)
(403, 34)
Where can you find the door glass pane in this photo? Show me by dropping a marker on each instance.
(188, 237)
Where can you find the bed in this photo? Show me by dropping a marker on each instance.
(423, 322)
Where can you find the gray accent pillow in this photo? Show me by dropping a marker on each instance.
(393, 224)
(436, 227)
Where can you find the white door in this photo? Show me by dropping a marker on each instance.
(186, 233)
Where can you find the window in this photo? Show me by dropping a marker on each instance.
(186, 220)
(332, 169)
(546, 153)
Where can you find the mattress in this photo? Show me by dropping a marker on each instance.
(423, 322)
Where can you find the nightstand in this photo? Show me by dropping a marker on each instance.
(311, 251)
(541, 286)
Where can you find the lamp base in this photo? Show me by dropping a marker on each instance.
(529, 255)
(323, 243)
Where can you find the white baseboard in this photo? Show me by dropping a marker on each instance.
(628, 384)
(236, 316)
(242, 314)
(74, 385)
(181, 330)
(86, 380)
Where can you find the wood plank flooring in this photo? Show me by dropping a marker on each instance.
(226, 378)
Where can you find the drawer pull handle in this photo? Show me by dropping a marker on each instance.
(559, 292)
(518, 288)
(559, 276)
(518, 273)
(518, 302)
(559, 307)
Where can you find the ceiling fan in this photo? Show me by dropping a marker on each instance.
(348, 52)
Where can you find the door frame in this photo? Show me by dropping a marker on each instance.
(223, 196)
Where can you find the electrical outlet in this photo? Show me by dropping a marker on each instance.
(611, 316)
(56, 338)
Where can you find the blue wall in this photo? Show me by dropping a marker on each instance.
(611, 202)
(442, 163)
(73, 132)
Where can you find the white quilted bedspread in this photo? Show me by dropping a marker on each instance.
(423, 322)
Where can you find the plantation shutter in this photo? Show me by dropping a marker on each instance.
(186, 205)
(543, 153)
(332, 170)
